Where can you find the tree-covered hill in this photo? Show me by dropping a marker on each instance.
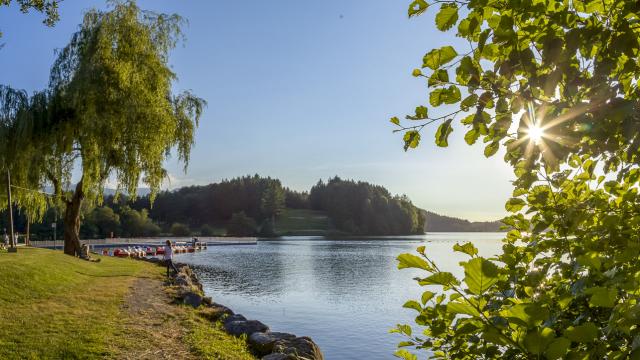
(440, 223)
(255, 205)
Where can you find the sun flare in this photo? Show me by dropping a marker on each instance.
(535, 133)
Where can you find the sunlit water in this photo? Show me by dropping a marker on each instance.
(344, 294)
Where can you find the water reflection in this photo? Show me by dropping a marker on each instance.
(345, 294)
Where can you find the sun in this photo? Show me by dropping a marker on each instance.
(536, 133)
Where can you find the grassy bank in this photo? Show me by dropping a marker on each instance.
(302, 222)
(57, 306)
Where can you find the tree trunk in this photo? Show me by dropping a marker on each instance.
(72, 222)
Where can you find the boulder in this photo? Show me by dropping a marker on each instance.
(278, 357)
(301, 347)
(234, 317)
(183, 280)
(192, 299)
(244, 327)
(262, 342)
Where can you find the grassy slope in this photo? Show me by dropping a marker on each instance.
(302, 222)
(57, 306)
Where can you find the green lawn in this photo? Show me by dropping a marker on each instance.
(55, 306)
(302, 222)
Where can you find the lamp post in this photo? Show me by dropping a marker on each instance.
(12, 240)
(55, 227)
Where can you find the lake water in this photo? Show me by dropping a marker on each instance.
(344, 294)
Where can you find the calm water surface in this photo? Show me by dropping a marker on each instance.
(344, 294)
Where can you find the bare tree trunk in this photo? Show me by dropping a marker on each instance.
(72, 223)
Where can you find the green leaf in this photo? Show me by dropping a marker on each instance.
(467, 248)
(417, 7)
(447, 16)
(435, 58)
(590, 259)
(412, 304)
(439, 77)
(442, 134)
(411, 139)
(491, 149)
(426, 296)
(558, 348)
(416, 72)
(395, 120)
(602, 297)
(404, 354)
(480, 275)
(468, 102)
(439, 278)
(462, 307)
(471, 136)
(403, 329)
(514, 205)
(583, 333)
(525, 314)
(536, 341)
(413, 261)
(406, 343)
(421, 113)
(450, 95)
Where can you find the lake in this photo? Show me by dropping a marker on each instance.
(344, 294)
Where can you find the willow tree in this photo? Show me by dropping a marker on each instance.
(21, 120)
(113, 109)
(555, 84)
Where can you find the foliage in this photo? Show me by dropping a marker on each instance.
(178, 229)
(364, 209)
(272, 202)
(48, 7)
(296, 200)
(441, 223)
(102, 222)
(19, 152)
(566, 284)
(122, 54)
(241, 225)
(210, 204)
(207, 230)
(137, 223)
(108, 87)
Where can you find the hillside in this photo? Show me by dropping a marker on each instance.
(440, 223)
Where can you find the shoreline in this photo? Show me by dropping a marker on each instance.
(266, 344)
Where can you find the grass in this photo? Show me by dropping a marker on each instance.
(54, 306)
(302, 222)
(211, 342)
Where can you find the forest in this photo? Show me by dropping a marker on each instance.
(253, 205)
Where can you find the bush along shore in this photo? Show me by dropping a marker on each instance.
(187, 289)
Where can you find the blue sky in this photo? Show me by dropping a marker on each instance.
(298, 90)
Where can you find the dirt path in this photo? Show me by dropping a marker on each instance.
(154, 326)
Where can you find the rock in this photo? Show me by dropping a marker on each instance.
(262, 342)
(207, 300)
(302, 347)
(234, 317)
(183, 280)
(244, 327)
(278, 357)
(193, 299)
